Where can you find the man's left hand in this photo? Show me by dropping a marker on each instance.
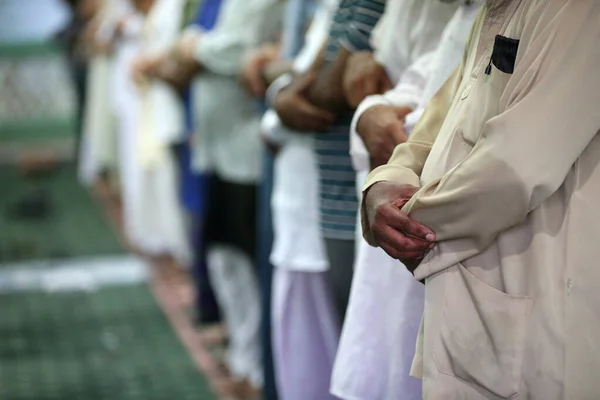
(396, 233)
(364, 77)
(252, 74)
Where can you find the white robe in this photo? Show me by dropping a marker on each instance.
(98, 142)
(386, 303)
(149, 115)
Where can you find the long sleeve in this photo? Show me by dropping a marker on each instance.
(408, 92)
(408, 159)
(548, 117)
(365, 15)
(406, 43)
(241, 26)
(352, 25)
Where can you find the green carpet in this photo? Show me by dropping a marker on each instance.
(74, 226)
(109, 344)
(113, 344)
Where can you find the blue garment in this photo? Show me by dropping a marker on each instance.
(194, 185)
(193, 192)
(209, 12)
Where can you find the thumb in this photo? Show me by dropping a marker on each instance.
(398, 133)
(403, 111)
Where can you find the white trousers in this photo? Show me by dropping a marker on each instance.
(153, 216)
(99, 139)
(235, 285)
(305, 334)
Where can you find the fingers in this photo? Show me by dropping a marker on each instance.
(397, 133)
(401, 242)
(414, 229)
(393, 217)
(405, 257)
(311, 111)
(257, 86)
(403, 111)
(304, 82)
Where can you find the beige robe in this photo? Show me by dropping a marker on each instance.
(508, 166)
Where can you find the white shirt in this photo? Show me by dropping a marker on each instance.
(160, 102)
(298, 242)
(227, 118)
(403, 40)
(386, 303)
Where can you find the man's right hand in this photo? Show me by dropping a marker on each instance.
(395, 232)
(382, 129)
(297, 112)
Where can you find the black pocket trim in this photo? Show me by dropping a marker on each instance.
(504, 55)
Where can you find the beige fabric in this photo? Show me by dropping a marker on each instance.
(510, 183)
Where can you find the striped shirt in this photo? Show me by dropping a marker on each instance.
(351, 29)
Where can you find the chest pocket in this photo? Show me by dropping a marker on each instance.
(483, 102)
(504, 55)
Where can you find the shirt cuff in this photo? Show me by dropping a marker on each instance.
(273, 130)
(277, 86)
(358, 151)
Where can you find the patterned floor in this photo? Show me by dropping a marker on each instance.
(113, 343)
(73, 225)
(69, 329)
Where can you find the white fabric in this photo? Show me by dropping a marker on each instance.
(298, 242)
(98, 135)
(305, 334)
(153, 218)
(316, 35)
(163, 105)
(380, 329)
(386, 303)
(227, 118)
(236, 289)
(98, 141)
(305, 323)
(407, 30)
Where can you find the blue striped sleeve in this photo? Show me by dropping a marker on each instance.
(365, 15)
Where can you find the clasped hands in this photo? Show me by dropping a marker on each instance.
(400, 236)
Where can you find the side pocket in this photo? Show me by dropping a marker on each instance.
(482, 335)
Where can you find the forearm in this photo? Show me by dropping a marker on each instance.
(524, 154)
(327, 91)
(407, 161)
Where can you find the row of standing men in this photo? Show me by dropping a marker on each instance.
(330, 87)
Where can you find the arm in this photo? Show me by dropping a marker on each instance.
(327, 91)
(549, 109)
(407, 94)
(408, 159)
(223, 49)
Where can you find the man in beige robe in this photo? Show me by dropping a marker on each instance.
(493, 201)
